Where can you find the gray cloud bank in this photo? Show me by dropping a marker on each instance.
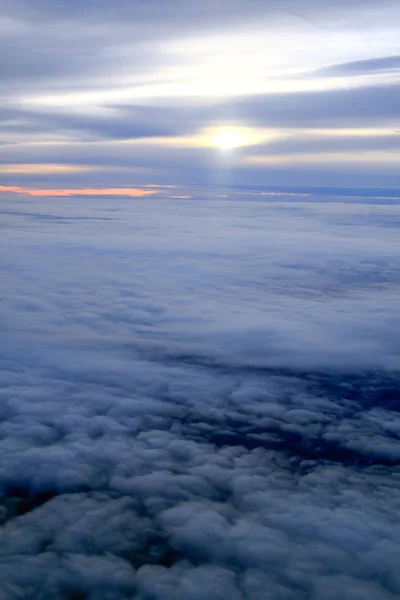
(360, 67)
(199, 400)
(96, 140)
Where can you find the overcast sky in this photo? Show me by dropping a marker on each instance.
(124, 93)
(199, 300)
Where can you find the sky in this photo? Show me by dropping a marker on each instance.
(221, 93)
(199, 300)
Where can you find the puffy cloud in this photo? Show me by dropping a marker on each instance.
(199, 399)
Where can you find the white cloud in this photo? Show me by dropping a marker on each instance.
(198, 400)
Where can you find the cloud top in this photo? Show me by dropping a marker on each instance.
(199, 399)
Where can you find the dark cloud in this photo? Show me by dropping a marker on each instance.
(361, 67)
(357, 107)
(222, 10)
(199, 399)
(118, 123)
(365, 108)
(356, 145)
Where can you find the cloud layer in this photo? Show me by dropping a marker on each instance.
(199, 400)
(95, 85)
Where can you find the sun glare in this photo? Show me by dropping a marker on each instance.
(228, 138)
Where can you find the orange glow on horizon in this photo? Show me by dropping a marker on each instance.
(131, 192)
(43, 169)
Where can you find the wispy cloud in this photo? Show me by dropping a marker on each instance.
(381, 65)
(388, 158)
(157, 78)
(43, 169)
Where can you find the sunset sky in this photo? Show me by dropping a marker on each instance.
(246, 92)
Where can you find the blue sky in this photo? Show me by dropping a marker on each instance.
(128, 94)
